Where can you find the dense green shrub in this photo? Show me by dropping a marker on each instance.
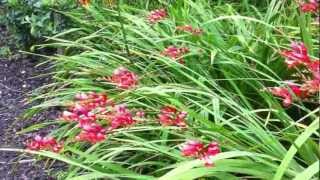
(222, 86)
(29, 21)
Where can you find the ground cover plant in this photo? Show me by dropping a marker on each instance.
(184, 90)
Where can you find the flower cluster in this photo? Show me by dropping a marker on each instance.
(84, 111)
(157, 15)
(88, 108)
(91, 132)
(314, 68)
(298, 56)
(170, 116)
(96, 116)
(44, 143)
(175, 53)
(286, 94)
(123, 78)
(120, 117)
(312, 6)
(190, 29)
(197, 149)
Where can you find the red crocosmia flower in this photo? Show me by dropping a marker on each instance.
(192, 148)
(85, 103)
(283, 93)
(91, 137)
(169, 109)
(311, 6)
(122, 117)
(212, 150)
(170, 116)
(314, 68)
(90, 126)
(69, 116)
(157, 15)
(286, 95)
(83, 96)
(198, 150)
(81, 108)
(124, 78)
(298, 91)
(85, 119)
(175, 53)
(102, 100)
(85, 110)
(44, 143)
(190, 29)
(297, 55)
(91, 132)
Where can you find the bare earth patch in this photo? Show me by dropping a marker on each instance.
(16, 81)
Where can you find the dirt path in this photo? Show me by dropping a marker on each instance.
(16, 80)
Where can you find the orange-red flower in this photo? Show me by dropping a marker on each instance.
(314, 68)
(91, 132)
(170, 116)
(157, 15)
(44, 143)
(121, 117)
(123, 78)
(297, 55)
(198, 150)
(311, 6)
(286, 95)
(175, 53)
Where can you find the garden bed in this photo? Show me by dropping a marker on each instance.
(17, 80)
(174, 90)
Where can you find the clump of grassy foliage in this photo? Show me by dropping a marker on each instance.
(221, 86)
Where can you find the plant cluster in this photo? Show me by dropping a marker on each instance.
(298, 56)
(185, 92)
(29, 21)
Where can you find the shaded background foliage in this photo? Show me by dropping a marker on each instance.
(29, 21)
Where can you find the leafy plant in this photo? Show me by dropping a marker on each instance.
(29, 21)
(221, 86)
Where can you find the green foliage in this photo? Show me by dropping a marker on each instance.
(5, 51)
(30, 20)
(221, 86)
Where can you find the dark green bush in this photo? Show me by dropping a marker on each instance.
(28, 21)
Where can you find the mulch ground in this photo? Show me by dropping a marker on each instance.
(17, 79)
(15, 83)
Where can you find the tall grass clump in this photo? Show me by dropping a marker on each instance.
(214, 61)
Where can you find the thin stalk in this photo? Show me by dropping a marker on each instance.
(122, 29)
